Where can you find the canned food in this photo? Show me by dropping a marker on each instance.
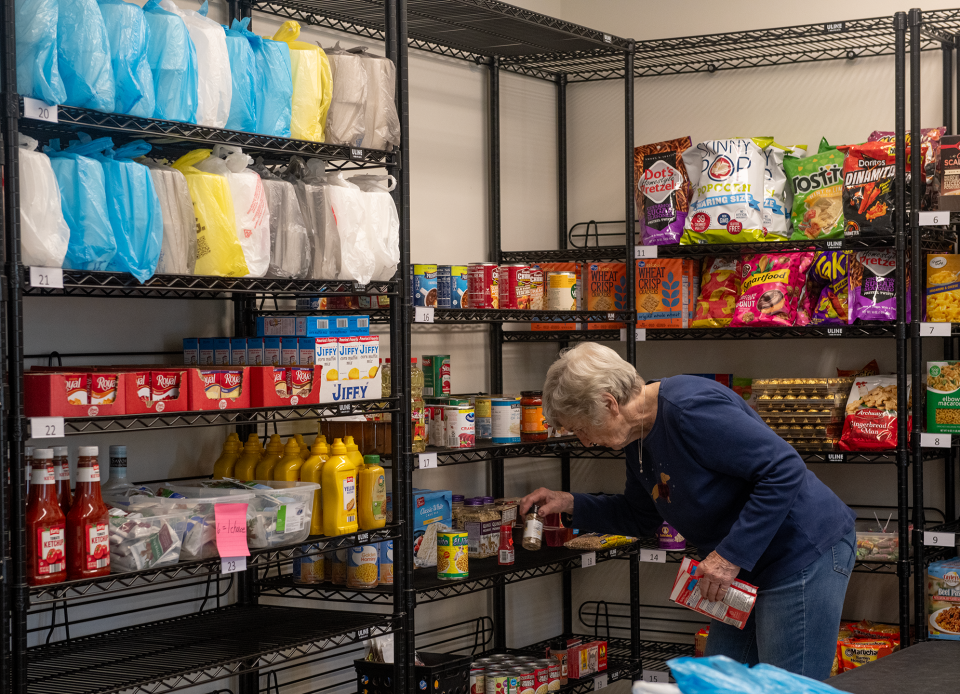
(386, 563)
(477, 673)
(459, 286)
(528, 683)
(554, 671)
(561, 291)
(425, 285)
(452, 555)
(308, 569)
(459, 426)
(542, 673)
(362, 566)
(514, 286)
(496, 682)
(482, 424)
(483, 281)
(444, 298)
(505, 420)
(536, 292)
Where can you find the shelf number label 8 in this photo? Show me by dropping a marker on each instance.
(935, 440)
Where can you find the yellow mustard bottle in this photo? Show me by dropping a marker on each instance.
(288, 469)
(255, 440)
(223, 467)
(304, 446)
(270, 458)
(339, 487)
(311, 471)
(372, 503)
(353, 452)
(246, 466)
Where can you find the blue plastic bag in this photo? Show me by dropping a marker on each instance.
(81, 180)
(173, 60)
(83, 50)
(275, 95)
(128, 34)
(721, 675)
(38, 71)
(246, 81)
(134, 210)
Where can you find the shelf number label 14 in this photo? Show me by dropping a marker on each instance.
(935, 329)
(39, 110)
(231, 565)
(589, 559)
(939, 539)
(655, 556)
(644, 252)
(423, 314)
(46, 277)
(46, 427)
(656, 676)
(935, 440)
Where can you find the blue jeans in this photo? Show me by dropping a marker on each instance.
(795, 621)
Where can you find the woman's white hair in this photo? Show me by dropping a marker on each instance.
(577, 380)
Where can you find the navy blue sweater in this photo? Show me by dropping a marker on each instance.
(720, 476)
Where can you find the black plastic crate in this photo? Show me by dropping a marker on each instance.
(441, 673)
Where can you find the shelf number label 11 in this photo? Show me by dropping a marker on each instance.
(656, 676)
(231, 565)
(644, 252)
(939, 539)
(39, 110)
(655, 556)
(934, 219)
(589, 559)
(936, 329)
(46, 427)
(423, 314)
(46, 277)
(935, 440)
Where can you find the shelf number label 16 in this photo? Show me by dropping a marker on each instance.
(655, 556)
(423, 314)
(935, 440)
(939, 539)
(46, 427)
(46, 277)
(38, 110)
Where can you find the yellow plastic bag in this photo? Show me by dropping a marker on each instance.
(312, 84)
(218, 248)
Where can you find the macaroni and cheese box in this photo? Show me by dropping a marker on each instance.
(605, 290)
(667, 290)
(221, 351)
(943, 288)
(271, 351)
(545, 268)
(943, 397)
(255, 351)
(205, 351)
(238, 351)
(191, 351)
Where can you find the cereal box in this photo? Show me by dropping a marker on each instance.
(238, 351)
(191, 351)
(205, 351)
(307, 351)
(606, 290)
(326, 349)
(289, 351)
(943, 599)
(255, 351)
(667, 290)
(576, 268)
(943, 397)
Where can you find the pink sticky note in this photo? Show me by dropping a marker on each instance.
(231, 530)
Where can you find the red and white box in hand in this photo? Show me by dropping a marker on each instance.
(734, 609)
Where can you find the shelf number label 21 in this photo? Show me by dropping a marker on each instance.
(46, 277)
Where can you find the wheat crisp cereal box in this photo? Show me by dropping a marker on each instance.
(605, 289)
(667, 290)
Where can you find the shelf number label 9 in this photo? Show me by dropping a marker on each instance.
(939, 539)
(654, 556)
(935, 440)
(46, 427)
(656, 676)
(38, 110)
(46, 277)
(935, 329)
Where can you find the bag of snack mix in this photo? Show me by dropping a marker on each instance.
(871, 414)
(726, 177)
(930, 139)
(872, 294)
(829, 274)
(777, 194)
(770, 288)
(663, 190)
(719, 286)
(817, 185)
(943, 288)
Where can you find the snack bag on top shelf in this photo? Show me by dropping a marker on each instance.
(943, 288)
(777, 194)
(869, 189)
(719, 287)
(871, 414)
(663, 190)
(726, 177)
(770, 288)
(817, 183)
(872, 295)
(930, 139)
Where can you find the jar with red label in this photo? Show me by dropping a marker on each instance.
(88, 523)
(533, 427)
(46, 524)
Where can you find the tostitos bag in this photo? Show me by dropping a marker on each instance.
(719, 286)
(817, 184)
(663, 190)
(871, 421)
(770, 289)
(726, 177)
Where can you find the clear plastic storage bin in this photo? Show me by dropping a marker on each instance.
(146, 542)
(875, 545)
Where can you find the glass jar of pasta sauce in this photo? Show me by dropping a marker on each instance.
(533, 427)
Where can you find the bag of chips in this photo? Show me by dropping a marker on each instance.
(777, 194)
(871, 414)
(869, 189)
(943, 288)
(726, 179)
(873, 284)
(663, 190)
(871, 369)
(770, 288)
(930, 139)
(829, 274)
(816, 182)
(808, 296)
(719, 286)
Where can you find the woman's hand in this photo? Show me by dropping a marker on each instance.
(549, 502)
(715, 574)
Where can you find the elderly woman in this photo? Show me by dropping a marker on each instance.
(700, 459)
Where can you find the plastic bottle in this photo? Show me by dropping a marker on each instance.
(288, 469)
(533, 529)
(339, 487)
(224, 465)
(255, 439)
(61, 472)
(506, 553)
(269, 459)
(304, 448)
(46, 524)
(353, 452)
(117, 482)
(311, 471)
(246, 466)
(418, 423)
(88, 526)
(372, 503)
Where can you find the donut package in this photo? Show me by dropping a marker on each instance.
(770, 288)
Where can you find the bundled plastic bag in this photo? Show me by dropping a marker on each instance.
(83, 50)
(214, 86)
(81, 180)
(383, 223)
(218, 248)
(134, 211)
(722, 675)
(249, 205)
(381, 128)
(274, 96)
(349, 207)
(178, 254)
(312, 84)
(44, 234)
(291, 245)
(127, 30)
(38, 68)
(347, 118)
(173, 60)
(246, 81)
(310, 184)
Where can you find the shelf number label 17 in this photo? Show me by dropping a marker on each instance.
(655, 556)
(231, 565)
(939, 539)
(656, 676)
(46, 427)
(46, 277)
(427, 461)
(935, 440)
(936, 329)
(39, 110)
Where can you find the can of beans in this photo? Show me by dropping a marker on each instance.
(459, 286)
(496, 682)
(528, 683)
(425, 285)
(452, 555)
(482, 285)
(537, 298)
(505, 420)
(460, 430)
(554, 671)
(477, 673)
(482, 423)
(542, 673)
(561, 291)
(514, 287)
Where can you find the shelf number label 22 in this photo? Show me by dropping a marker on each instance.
(46, 427)
(38, 110)
(46, 277)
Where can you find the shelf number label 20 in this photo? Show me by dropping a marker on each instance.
(46, 277)
(46, 427)
(38, 110)
(655, 556)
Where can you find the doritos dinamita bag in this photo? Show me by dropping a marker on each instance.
(817, 183)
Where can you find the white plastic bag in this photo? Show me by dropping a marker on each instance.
(381, 124)
(215, 84)
(178, 255)
(349, 207)
(309, 185)
(383, 223)
(345, 120)
(44, 234)
(291, 247)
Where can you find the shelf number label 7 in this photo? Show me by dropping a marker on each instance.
(655, 556)
(935, 440)
(939, 539)
(46, 427)
(935, 329)
(38, 110)
(46, 277)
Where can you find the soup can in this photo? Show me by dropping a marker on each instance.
(528, 683)
(554, 671)
(459, 423)
(425, 285)
(505, 420)
(452, 555)
(496, 682)
(483, 281)
(459, 286)
(514, 287)
(537, 297)
(477, 673)
(444, 296)
(482, 424)
(542, 673)
(560, 291)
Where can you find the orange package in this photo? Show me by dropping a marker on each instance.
(719, 286)
(856, 652)
(667, 291)
(605, 289)
(545, 268)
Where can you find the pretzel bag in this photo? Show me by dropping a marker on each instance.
(663, 190)
(871, 415)
(873, 282)
(770, 288)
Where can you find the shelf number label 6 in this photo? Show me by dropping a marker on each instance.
(38, 110)
(46, 277)
(654, 556)
(231, 565)
(935, 329)
(939, 539)
(934, 219)
(935, 440)
(46, 427)
(656, 676)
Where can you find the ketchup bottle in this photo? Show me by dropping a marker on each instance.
(61, 469)
(506, 552)
(46, 525)
(88, 525)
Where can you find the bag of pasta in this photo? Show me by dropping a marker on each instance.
(943, 288)
(719, 286)
(871, 414)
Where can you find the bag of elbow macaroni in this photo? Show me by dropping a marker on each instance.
(726, 177)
